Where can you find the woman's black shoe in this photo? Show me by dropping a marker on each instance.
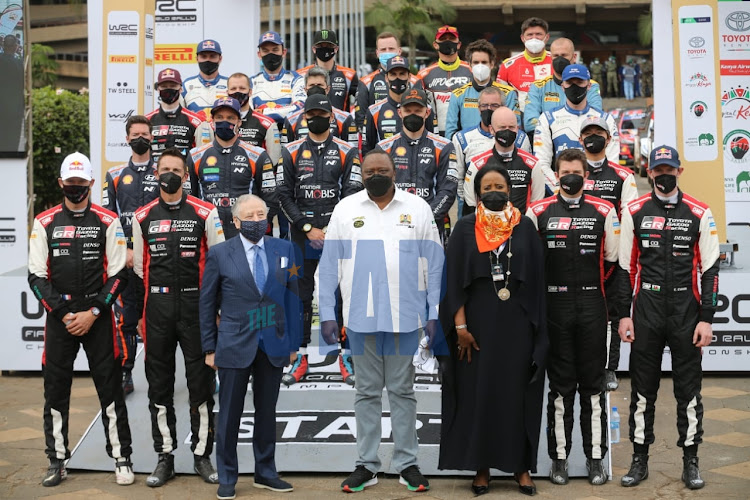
(526, 489)
(480, 490)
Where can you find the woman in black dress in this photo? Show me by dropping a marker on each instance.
(493, 314)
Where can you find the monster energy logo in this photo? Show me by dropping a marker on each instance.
(324, 34)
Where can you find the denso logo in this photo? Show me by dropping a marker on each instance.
(650, 222)
(63, 232)
(562, 223)
(159, 226)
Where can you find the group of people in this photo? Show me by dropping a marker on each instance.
(633, 78)
(554, 246)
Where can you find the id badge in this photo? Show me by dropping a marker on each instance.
(497, 272)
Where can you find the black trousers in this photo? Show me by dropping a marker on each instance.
(126, 319)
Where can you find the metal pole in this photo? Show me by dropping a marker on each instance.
(309, 31)
(270, 16)
(334, 24)
(302, 37)
(363, 53)
(342, 26)
(282, 19)
(292, 36)
(349, 44)
(317, 15)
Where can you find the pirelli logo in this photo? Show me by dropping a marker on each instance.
(175, 53)
(122, 59)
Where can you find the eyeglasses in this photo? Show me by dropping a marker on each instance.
(447, 30)
(493, 107)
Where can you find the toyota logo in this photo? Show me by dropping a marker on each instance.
(738, 21)
(697, 42)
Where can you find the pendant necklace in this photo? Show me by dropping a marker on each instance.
(496, 269)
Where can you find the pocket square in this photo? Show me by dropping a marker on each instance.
(284, 262)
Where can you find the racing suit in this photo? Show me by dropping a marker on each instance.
(311, 178)
(372, 88)
(295, 127)
(463, 109)
(344, 84)
(560, 129)
(170, 243)
(580, 235)
(439, 80)
(199, 94)
(547, 94)
(526, 178)
(77, 261)
(261, 131)
(221, 175)
(275, 95)
(664, 246)
(126, 188)
(382, 121)
(181, 128)
(521, 70)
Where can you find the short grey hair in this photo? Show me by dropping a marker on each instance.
(491, 89)
(244, 199)
(318, 71)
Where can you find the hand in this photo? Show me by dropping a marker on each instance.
(703, 334)
(68, 318)
(81, 323)
(139, 327)
(330, 332)
(292, 357)
(129, 260)
(316, 237)
(626, 330)
(210, 360)
(430, 330)
(466, 343)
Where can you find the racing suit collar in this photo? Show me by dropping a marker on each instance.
(70, 213)
(570, 202)
(226, 150)
(478, 87)
(449, 66)
(273, 78)
(209, 83)
(315, 146)
(392, 101)
(671, 203)
(504, 157)
(534, 60)
(141, 168)
(172, 113)
(596, 166)
(414, 142)
(484, 133)
(175, 206)
(577, 111)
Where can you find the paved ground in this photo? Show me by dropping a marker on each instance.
(725, 455)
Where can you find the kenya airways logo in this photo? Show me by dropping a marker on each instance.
(63, 232)
(159, 226)
(561, 223)
(650, 222)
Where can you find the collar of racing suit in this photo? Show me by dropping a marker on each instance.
(414, 142)
(534, 60)
(596, 166)
(172, 206)
(478, 87)
(273, 78)
(209, 83)
(141, 167)
(667, 202)
(75, 213)
(449, 66)
(504, 157)
(318, 146)
(224, 150)
(570, 202)
(576, 111)
(170, 113)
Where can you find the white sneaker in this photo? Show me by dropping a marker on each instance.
(124, 472)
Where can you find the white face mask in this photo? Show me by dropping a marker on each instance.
(481, 72)
(534, 45)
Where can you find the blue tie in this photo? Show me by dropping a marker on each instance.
(260, 273)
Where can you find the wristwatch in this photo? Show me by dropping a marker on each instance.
(95, 311)
(209, 352)
(307, 227)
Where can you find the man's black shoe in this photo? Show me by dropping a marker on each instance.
(163, 472)
(358, 480)
(638, 471)
(274, 484)
(596, 472)
(127, 382)
(202, 465)
(691, 475)
(413, 479)
(558, 474)
(55, 472)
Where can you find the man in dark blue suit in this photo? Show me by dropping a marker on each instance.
(252, 280)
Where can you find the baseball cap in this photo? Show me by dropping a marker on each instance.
(226, 102)
(414, 95)
(446, 30)
(318, 101)
(328, 36)
(76, 165)
(209, 46)
(664, 155)
(576, 71)
(169, 75)
(396, 62)
(270, 36)
(594, 121)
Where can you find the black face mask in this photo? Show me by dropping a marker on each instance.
(448, 48)
(318, 124)
(399, 85)
(494, 200)
(75, 193)
(486, 115)
(241, 97)
(665, 183)
(271, 61)
(208, 67)
(170, 182)
(576, 94)
(559, 64)
(413, 123)
(505, 138)
(140, 145)
(571, 183)
(378, 185)
(224, 130)
(316, 90)
(594, 144)
(325, 54)
(169, 96)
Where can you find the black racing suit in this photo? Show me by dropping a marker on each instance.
(667, 249)
(371, 89)
(578, 238)
(221, 175)
(126, 188)
(295, 127)
(260, 130)
(311, 179)
(170, 243)
(383, 122)
(77, 261)
(175, 129)
(344, 83)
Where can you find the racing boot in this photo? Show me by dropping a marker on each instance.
(610, 380)
(296, 371)
(127, 382)
(347, 368)
(597, 476)
(558, 474)
(691, 475)
(638, 471)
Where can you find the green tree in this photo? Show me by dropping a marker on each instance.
(43, 67)
(410, 19)
(60, 127)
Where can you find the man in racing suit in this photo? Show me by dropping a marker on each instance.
(171, 124)
(547, 94)
(343, 81)
(126, 188)
(560, 128)
(608, 181)
(526, 178)
(171, 236)
(425, 162)
(275, 90)
(315, 173)
(77, 259)
(200, 91)
(463, 112)
(447, 74)
(668, 239)
(342, 126)
(581, 234)
(222, 171)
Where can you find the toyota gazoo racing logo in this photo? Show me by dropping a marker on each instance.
(316, 193)
(560, 223)
(650, 222)
(63, 232)
(738, 21)
(697, 42)
(159, 226)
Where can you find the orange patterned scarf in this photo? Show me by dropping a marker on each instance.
(492, 229)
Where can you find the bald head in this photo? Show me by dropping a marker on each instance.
(503, 118)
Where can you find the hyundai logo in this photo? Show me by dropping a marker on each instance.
(738, 21)
(697, 42)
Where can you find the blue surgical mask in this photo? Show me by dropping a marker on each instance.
(385, 57)
(253, 230)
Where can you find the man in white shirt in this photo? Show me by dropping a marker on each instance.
(383, 249)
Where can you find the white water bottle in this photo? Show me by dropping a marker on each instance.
(614, 426)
